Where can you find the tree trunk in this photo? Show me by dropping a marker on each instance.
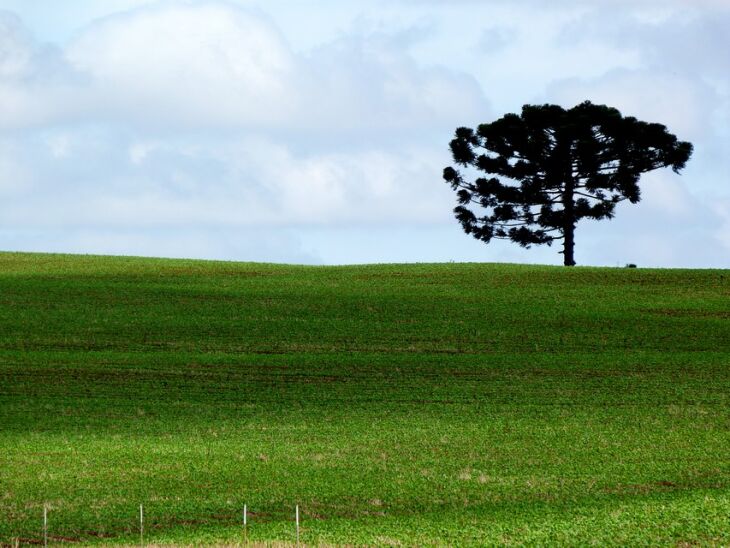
(569, 245)
(569, 226)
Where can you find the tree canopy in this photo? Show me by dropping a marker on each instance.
(530, 178)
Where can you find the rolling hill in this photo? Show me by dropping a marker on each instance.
(417, 404)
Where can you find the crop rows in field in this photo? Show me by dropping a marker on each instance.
(459, 403)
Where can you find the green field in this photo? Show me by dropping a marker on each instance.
(416, 404)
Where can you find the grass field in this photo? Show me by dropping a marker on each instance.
(416, 404)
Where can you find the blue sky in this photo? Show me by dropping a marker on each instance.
(300, 132)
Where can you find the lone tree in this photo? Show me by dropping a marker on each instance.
(551, 167)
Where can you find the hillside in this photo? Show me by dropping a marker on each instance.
(441, 403)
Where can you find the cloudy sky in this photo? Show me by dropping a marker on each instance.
(316, 132)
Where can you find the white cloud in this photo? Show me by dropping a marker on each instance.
(16, 48)
(199, 114)
(722, 209)
(364, 186)
(653, 96)
(682, 81)
(194, 128)
(591, 4)
(85, 177)
(15, 173)
(212, 64)
(204, 63)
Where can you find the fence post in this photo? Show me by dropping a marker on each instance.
(141, 525)
(245, 524)
(297, 518)
(45, 526)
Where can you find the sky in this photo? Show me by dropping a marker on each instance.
(317, 132)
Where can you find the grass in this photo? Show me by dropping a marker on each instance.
(416, 404)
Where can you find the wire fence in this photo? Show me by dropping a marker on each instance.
(45, 535)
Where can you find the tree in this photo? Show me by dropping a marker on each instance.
(550, 167)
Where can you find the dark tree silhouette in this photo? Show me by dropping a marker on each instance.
(556, 167)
